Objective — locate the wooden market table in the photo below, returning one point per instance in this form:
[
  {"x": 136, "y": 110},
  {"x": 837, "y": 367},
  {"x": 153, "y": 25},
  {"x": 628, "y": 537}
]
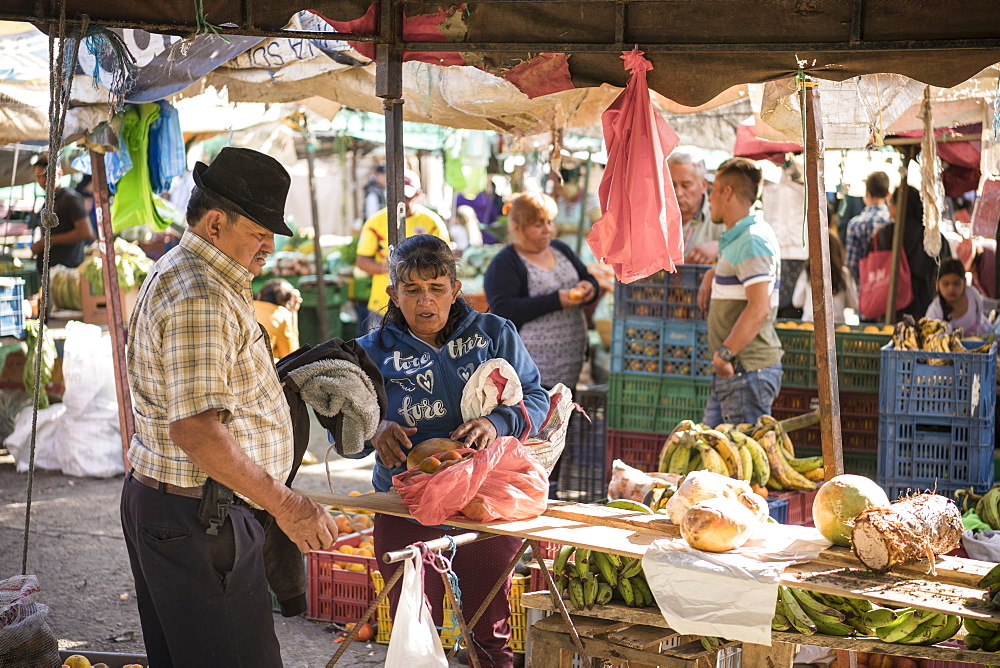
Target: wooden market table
[{"x": 953, "y": 589}]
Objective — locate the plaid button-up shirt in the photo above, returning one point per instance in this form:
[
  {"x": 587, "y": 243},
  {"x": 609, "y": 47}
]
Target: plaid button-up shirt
[
  {"x": 859, "y": 235},
  {"x": 195, "y": 345}
]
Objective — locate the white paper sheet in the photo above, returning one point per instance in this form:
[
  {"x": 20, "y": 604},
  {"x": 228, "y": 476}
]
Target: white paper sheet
[{"x": 730, "y": 595}]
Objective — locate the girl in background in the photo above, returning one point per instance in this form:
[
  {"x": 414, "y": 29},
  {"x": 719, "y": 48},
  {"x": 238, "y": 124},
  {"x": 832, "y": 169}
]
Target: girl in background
[
  {"x": 845, "y": 291},
  {"x": 958, "y": 304}
]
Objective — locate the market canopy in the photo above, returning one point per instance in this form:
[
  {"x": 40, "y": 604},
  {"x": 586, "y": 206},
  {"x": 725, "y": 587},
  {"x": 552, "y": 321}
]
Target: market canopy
[{"x": 699, "y": 48}]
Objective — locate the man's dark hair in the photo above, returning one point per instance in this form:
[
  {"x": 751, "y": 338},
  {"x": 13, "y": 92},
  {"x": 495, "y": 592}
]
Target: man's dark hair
[
  {"x": 877, "y": 185},
  {"x": 743, "y": 176},
  {"x": 40, "y": 160},
  {"x": 202, "y": 201},
  {"x": 276, "y": 291}
]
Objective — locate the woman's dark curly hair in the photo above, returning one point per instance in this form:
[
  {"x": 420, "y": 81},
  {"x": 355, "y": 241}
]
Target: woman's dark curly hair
[{"x": 429, "y": 257}]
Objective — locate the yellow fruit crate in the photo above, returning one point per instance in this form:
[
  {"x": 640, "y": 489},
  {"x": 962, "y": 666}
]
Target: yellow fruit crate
[{"x": 451, "y": 632}]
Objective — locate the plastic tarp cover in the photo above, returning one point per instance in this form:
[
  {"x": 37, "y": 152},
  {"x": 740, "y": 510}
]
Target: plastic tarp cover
[{"x": 640, "y": 231}]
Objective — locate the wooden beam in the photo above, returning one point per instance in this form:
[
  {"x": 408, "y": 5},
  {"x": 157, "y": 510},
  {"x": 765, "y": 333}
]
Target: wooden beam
[
  {"x": 822, "y": 298},
  {"x": 112, "y": 295},
  {"x": 897, "y": 234}
]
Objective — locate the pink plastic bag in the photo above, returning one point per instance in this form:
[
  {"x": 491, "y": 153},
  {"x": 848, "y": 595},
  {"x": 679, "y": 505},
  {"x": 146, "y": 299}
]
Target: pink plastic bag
[
  {"x": 640, "y": 232},
  {"x": 507, "y": 480}
]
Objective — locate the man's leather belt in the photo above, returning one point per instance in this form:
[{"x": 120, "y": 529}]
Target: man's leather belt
[{"x": 167, "y": 488}]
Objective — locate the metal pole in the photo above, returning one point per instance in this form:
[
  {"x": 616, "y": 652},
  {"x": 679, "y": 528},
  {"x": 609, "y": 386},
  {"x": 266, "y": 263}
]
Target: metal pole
[
  {"x": 897, "y": 233},
  {"x": 435, "y": 545},
  {"x": 389, "y": 87},
  {"x": 112, "y": 296},
  {"x": 310, "y": 145},
  {"x": 584, "y": 217},
  {"x": 819, "y": 270}
]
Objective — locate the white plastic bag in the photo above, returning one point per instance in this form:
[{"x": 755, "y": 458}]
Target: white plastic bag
[
  {"x": 46, "y": 438},
  {"x": 984, "y": 546},
  {"x": 414, "y": 642}
]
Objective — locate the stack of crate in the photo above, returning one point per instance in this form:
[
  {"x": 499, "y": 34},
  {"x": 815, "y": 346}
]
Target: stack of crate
[
  {"x": 936, "y": 420},
  {"x": 661, "y": 365},
  {"x": 858, "y": 366},
  {"x": 581, "y": 469}
]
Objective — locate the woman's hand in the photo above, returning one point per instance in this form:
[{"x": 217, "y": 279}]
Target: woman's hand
[
  {"x": 389, "y": 440},
  {"x": 295, "y": 302},
  {"x": 578, "y": 294},
  {"x": 477, "y": 433}
]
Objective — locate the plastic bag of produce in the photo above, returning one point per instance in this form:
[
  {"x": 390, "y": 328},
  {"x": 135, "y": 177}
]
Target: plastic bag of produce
[
  {"x": 503, "y": 481},
  {"x": 26, "y": 640},
  {"x": 415, "y": 642},
  {"x": 630, "y": 483}
]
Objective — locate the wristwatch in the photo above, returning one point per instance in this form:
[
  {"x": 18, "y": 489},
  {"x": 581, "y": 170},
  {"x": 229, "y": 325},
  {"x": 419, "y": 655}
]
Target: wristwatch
[{"x": 725, "y": 353}]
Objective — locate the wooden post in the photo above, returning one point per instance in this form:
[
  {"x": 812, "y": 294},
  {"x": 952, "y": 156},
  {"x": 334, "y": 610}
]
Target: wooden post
[
  {"x": 819, "y": 270},
  {"x": 112, "y": 296},
  {"x": 389, "y": 87},
  {"x": 909, "y": 152}
]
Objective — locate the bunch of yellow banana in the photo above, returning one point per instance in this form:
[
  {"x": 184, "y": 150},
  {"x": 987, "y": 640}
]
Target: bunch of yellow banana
[
  {"x": 787, "y": 472},
  {"x": 761, "y": 454},
  {"x": 595, "y": 578},
  {"x": 912, "y": 626},
  {"x": 988, "y": 507},
  {"x": 932, "y": 335},
  {"x": 809, "y": 612}
]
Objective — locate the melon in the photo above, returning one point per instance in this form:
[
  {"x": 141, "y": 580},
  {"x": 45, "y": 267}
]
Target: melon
[{"x": 840, "y": 500}]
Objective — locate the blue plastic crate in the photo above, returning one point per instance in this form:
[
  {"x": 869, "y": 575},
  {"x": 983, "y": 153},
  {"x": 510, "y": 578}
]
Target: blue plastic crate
[
  {"x": 778, "y": 510},
  {"x": 675, "y": 348},
  {"x": 928, "y": 453},
  {"x": 662, "y": 295},
  {"x": 11, "y": 307},
  {"x": 924, "y": 383}
]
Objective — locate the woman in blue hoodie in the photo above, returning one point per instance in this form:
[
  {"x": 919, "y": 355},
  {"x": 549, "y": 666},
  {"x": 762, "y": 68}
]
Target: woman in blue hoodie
[{"x": 429, "y": 344}]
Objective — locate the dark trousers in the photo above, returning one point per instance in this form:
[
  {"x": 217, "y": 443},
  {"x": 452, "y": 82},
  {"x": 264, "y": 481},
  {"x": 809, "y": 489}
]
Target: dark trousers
[
  {"x": 203, "y": 600},
  {"x": 478, "y": 566}
]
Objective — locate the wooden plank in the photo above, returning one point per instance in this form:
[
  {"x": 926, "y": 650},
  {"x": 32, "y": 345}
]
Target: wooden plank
[
  {"x": 778, "y": 655},
  {"x": 652, "y": 617},
  {"x": 596, "y": 515},
  {"x": 585, "y": 626},
  {"x": 875, "y": 646},
  {"x": 641, "y": 636},
  {"x": 603, "y": 649},
  {"x": 951, "y": 570}
]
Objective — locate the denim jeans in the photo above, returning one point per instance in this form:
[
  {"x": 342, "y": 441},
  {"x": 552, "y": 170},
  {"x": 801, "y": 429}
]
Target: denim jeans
[{"x": 743, "y": 397}]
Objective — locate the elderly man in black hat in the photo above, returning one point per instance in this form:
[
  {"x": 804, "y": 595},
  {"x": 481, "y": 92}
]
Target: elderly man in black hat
[{"x": 213, "y": 436}]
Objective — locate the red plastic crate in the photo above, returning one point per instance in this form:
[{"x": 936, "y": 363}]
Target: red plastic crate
[
  {"x": 858, "y": 417},
  {"x": 635, "y": 448},
  {"x": 800, "y": 506},
  {"x": 336, "y": 595}
]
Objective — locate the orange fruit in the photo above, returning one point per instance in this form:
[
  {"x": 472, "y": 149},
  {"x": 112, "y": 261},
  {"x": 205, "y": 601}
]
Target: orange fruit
[
  {"x": 366, "y": 632},
  {"x": 871, "y": 329},
  {"x": 346, "y": 549},
  {"x": 356, "y": 568},
  {"x": 354, "y": 493},
  {"x": 843, "y": 328},
  {"x": 344, "y": 524}
]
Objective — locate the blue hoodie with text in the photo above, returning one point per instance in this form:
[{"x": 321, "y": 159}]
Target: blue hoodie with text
[{"x": 424, "y": 386}]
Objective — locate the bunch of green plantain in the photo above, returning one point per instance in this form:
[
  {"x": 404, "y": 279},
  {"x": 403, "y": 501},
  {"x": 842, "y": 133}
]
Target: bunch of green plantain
[
  {"x": 988, "y": 507},
  {"x": 991, "y": 583},
  {"x": 761, "y": 454},
  {"x": 809, "y": 612},
  {"x": 912, "y": 626},
  {"x": 595, "y": 578}
]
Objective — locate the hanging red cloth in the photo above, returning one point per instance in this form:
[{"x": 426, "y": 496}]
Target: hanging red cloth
[{"x": 640, "y": 232}]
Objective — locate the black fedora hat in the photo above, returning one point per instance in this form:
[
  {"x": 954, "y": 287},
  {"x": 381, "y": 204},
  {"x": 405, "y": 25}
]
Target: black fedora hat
[{"x": 253, "y": 184}]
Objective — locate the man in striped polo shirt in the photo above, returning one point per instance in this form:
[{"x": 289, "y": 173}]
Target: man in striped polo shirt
[{"x": 741, "y": 294}]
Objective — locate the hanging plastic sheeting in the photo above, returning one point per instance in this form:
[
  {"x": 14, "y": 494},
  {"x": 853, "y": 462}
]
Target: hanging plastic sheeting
[
  {"x": 856, "y": 112},
  {"x": 931, "y": 187},
  {"x": 640, "y": 231}
]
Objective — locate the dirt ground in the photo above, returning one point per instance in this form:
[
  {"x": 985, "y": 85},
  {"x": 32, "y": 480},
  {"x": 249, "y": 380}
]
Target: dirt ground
[{"x": 76, "y": 549}]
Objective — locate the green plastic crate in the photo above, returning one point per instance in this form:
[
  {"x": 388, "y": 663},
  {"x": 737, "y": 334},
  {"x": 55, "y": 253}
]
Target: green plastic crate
[
  {"x": 334, "y": 290},
  {"x": 859, "y": 357},
  {"x": 30, "y": 276},
  {"x": 858, "y": 463},
  {"x": 798, "y": 364},
  {"x": 654, "y": 404}
]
